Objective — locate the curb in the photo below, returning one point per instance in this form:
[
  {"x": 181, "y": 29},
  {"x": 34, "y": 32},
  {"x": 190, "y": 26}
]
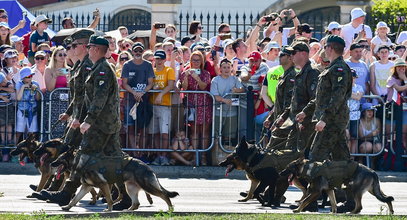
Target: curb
[{"x": 174, "y": 172}]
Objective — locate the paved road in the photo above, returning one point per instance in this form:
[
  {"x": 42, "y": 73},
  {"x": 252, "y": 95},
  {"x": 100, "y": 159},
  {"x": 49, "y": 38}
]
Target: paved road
[{"x": 196, "y": 195}]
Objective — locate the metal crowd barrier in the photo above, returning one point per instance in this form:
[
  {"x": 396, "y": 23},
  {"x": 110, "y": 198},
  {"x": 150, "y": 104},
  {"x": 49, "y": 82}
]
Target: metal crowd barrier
[
  {"x": 14, "y": 104},
  {"x": 58, "y": 103}
]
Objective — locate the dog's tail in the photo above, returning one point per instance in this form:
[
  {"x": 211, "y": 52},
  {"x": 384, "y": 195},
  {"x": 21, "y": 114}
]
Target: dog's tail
[
  {"x": 170, "y": 194},
  {"x": 377, "y": 192}
]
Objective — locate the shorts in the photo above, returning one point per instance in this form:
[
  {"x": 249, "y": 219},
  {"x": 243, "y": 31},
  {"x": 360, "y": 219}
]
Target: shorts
[
  {"x": 160, "y": 123},
  {"x": 22, "y": 123},
  {"x": 228, "y": 127},
  {"x": 353, "y": 128},
  {"x": 144, "y": 113}
]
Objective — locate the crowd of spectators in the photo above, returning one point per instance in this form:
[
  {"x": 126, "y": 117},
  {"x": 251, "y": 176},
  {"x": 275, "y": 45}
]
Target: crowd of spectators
[{"x": 220, "y": 65}]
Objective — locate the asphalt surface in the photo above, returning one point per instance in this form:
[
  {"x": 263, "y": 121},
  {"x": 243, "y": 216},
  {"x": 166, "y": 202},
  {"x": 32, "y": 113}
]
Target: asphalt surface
[{"x": 201, "y": 189}]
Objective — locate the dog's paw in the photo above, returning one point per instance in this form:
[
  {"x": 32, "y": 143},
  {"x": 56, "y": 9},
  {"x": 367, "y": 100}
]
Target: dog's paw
[
  {"x": 107, "y": 210},
  {"x": 243, "y": 200},
  {"x": 296, "y": 211},
  {"x": 134, "y": 207}
]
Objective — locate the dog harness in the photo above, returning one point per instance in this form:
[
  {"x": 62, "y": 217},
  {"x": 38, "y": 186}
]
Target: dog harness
[
  {"x": 279, "y": 159},
  {"x": 336, "y": 172}
]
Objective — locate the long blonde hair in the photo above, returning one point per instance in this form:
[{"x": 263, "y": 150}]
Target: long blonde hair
[{"x": 52, "y": 62}]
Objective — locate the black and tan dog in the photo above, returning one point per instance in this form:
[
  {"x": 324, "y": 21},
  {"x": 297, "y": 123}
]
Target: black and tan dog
[
  {"x": 26, "y": 148},
  {"x": 262, "y": 170},
  {"x": 330, "y": 174},
  {"x": 135, "y": 174}
]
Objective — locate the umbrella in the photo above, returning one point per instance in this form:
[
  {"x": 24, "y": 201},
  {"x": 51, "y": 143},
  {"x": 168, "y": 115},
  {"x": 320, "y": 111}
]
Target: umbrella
[{"x": 62, "y": 34}]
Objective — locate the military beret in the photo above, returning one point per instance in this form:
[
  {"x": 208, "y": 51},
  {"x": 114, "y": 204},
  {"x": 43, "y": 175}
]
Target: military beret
[
  {"x": 300, "y": 46},
  {"x": 98, "y": 40},
  {"x": 82, "y": 34},
  {"x": 335, "y": 39}
]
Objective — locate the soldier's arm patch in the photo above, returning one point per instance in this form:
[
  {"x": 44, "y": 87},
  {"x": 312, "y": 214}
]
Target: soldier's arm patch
[
  {"x": 340, "y": 69},
  {"x": 88, "y": 68},
  {"x": 101, "y": 73},
  {"x": 101, "y": 82},
  {"x": 339, "y": 78}
]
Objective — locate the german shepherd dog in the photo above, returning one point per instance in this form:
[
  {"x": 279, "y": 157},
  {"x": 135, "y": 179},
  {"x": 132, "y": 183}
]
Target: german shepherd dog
[
  {"x": 247, "y": 157},
  {"x": 362, "y": 179},
  {"x": 136, "y": 175},
  {"x": 25, "y": 149}
]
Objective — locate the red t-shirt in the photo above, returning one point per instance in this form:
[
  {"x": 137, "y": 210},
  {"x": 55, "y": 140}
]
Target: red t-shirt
[
  {"x": 115, "y": 56},
  {"x": 210, "y": 68},
  {"x": 26, "y": 42}
]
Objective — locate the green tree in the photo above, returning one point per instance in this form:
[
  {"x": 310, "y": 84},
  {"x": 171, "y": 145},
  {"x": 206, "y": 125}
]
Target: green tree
[{"x": 390, "y": 11}]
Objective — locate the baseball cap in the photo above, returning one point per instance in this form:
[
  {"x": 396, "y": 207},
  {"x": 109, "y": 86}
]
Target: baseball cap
[
  {"x": 41, "y": 18},
  {"x": 271, "y": 45},
  {"x": 4, "y": 24},
  {"x": 40, "y": 53},
  {"x": 300, "y": 46},
  {"x": 185, "y": 39},
  {"x": 2, "y": 77},
  {"x": 227, "y": 42},
  {"x": 357, "y": 13},
  {"x": 196, "y": 44},
  {"x": 16, "y": 38},
  {"x": 10, "y": 54},
  {"x": 333, "y": 25},
  {"x": 4, "y": 47},
  {"x": 355, "y": 46},
  {"x": 170, "y": 39},
  {"x": 402, "y": 37},
  {"x": 287, "y": 50},
  {"x": 137, "y": 45},
  {"x": 255, "y": 55},
  {"x": 26, "y": 72},
  {"x": 305, "y": 27},
  {"x": 160, "y": 54}
]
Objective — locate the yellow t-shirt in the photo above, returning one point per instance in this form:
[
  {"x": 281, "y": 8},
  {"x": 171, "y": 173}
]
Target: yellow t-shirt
[{"x": 161, "y": 81}]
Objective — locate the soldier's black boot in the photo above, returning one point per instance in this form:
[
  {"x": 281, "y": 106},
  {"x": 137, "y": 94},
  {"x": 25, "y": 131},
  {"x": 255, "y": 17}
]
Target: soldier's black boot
[
  {"x": 64, "y": 196},
  {"x": 346, "y": 207},
  {"x": 312, "y": 207},
  {"x": 125, "y": 203},
  {"x": 33, "y": 187}
]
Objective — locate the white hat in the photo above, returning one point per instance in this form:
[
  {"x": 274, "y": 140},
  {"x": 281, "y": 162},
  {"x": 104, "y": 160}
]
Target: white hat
[
  {"x": 271, "y": 45},
  {"x": 402, "y": 37},
  {"x": 10, "y": 54},
  {"x": 16, "y": 38},
  {"x": 41, "y": 18},
  {"x": 4, "y": 24},
  {"x": 333, "y": 25},
  {"x": 227, "y": 42},
  {"x": 382, "y": 24},
  {"x": 357, "y": 13}
]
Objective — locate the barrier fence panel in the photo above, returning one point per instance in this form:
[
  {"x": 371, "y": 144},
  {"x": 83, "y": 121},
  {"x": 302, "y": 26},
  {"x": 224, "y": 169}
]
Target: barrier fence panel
[
  {"x": 58, "y": 104},
  {"x": 185, "y": 126}
]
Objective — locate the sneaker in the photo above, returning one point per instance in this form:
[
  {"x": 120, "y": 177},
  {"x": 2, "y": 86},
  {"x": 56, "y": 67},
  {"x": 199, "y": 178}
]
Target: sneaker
[
  {"x": 165, "y": 161},
  {"x": 157, "y": 161}
]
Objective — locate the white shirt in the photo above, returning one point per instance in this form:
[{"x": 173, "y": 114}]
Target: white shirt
[
  {"x": 348, "y": 33},
  {"x": 272, "y": 63},
  {"x": 39, "y": 77},
  {"x": 382, "y": 73},
  {"x": 286, "y": 32},
  {"x": 378, "y": 42}
]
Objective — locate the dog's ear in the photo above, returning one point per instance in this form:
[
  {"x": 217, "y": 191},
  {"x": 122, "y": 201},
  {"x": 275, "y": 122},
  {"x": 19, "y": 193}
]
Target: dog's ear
[
  {"x": 31, "y": 137},
  {"x": 243, "y": 142}
]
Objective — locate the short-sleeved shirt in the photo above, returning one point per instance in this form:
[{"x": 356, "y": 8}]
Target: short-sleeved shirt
[
  {"x": 362, "y": 71},
  {"x": 161, "y": 81},
  {"x": 240, "y": 63},
  {"x": 254, "y": 79},
  {"x": 28, "y": 100},
  {"x": 285, "y": 33},
  {"x": 37, "y": 39},
  {"x": 353, "y": 104},
  {"x": 390, "y": 87},
  {"x": 379, "y": 42},
  {"x": 221, "y": 86},
  {"x": 382, "y": 73},
  {"x": 348, "y": 32},
  {"x": 137, "y": 76}
]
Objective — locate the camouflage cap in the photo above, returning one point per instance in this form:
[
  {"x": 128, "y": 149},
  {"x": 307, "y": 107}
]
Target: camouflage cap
[
  {"x": 82, "y": 34},
  {"x": 300, "y": 46},
  {"x": 98, "y": 40},
  {"x": 336, "y": 39},
  {"x": 287, "y": 50}
]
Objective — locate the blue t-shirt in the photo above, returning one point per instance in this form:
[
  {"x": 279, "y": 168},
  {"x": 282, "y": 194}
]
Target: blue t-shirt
[
  {"x": 137, "y": 75},
  {"x": 363, "y": 73},
  {"x": 37, "y": 39},
  {"x": 28, "y": 100}
]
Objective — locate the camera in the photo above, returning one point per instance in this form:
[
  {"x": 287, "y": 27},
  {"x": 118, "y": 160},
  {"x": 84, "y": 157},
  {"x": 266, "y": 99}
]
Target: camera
[
  {"x": 269, "y": 18},
  {"x": 159, "y": 25},
  {"x": 218, "y": 49},
  {"x": 175, "y": 49},
  {"x": 287, "y": 13}
]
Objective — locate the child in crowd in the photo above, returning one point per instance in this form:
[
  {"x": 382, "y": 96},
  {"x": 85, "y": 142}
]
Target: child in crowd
[
  {"x": 39, "y": 36},
  {"x": 354, "y": 113},
  {"x": 7, "y": 115},
  {"x": 27, "y": 97},
  {"x": 180, "y": 143}
]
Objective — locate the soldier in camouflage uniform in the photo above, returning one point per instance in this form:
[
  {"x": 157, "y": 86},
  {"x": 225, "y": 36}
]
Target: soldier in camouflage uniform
[
  {"x": 284, "y": 93},
  {"x": 329, "y": 109},
  {"x": 101, "y": 123},
  {"x": 304, "y": 91},
  {"x": 76, "y": 110}
]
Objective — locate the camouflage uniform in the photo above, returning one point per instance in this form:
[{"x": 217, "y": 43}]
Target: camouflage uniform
[
  {"x": 304, "y": 91},
  {"x": 284, "y": 92},
  {"x": 330, "y": 105},
  {"x": 102, "y": 104}
]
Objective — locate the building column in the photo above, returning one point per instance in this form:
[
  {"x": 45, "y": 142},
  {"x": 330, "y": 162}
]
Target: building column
[
  {"x": 164, "y": 11},
  {"x": 347, "y": 6}
]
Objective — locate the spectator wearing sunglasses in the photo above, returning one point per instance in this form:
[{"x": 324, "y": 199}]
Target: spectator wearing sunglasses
[
  {"x": 68, "y": 22},
  {"x": 361, "y": 69},
  {"x": 4, "y": 18},
  {"x": 223, "y": 34},
  {"x": 46, "y": 48},
  {"x": 40, "y": 63},
  {"x": 381, "y": 36},
  {"x": 10, "y": 66},
  {"x": 275, "y": 31},
  {"x": 111, "y": 55},
  {"x": 56, "y": 73},
  {"x": 195, "y": 29},
  {"x": 304, "y": 30},
  {"x": 334, "y": 28},
  {"x": 356, "y": 28}
]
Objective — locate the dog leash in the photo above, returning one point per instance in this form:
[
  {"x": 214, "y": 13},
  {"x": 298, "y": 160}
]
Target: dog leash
[{"x": 54, "y": 126}]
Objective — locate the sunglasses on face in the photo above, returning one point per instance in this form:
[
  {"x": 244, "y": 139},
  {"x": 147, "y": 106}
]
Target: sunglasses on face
[
  {"x": 125, "y": 46},
  {"x": 4, "y": 16},
  {"x": 200, "y": 28},
  {"x": 29, "y": 77},
  {"x": 392, "y": 58},
  {"x": 124, "y": 58},
  {"x": 336, "y": 29},
  {"x": 62, "y": 55},
  {"x": 138, "y": 51},
  {"x": 40, "y": 58},
  {"x": 68, "y": 47},
  {"x": 48, "y": 51}
]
